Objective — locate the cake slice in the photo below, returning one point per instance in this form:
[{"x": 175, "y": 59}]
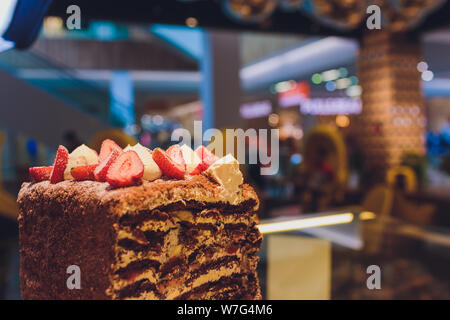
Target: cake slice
[{"x": 190, "y": 238}]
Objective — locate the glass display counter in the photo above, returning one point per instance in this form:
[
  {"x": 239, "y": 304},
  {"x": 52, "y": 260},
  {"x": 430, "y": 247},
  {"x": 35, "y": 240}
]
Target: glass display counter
[{"x": 353, "y": 255}]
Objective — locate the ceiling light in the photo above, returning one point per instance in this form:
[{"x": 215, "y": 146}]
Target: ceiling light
[
  {"x": 422, "y": 66},
  {"x": 343, "y": 83},
  {"x": 330, "y": 75},
  {"x": 274, "y": 119},
  {"x": 354, "y": 91},
  {"x": 330, "y": 86},
  {"x": 284, "y": 86},
  {"x": 427, "y": 75},
  {"x": 343, "y": 72},
  {"x": 191, "y": 22},
  {"x": 354, "y": 80},
  {"x": 367, "y": 215},
  {"x": 342, "y": 121},
  {"x": 316, "y": 78}
]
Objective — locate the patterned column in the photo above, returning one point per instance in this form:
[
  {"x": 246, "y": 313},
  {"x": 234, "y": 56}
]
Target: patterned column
[{"x": 393, "y": 119}]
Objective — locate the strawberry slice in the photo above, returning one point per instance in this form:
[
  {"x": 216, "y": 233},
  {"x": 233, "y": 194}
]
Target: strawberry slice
[
  {"x": 39, "y": 174},
  {"x": 207, "y": 157},
  {"x": 168, "y": 166},
  {"x": 102, "y": 169},
  {"x": 61, "y": 159},
  {"x": 176, "y": 154},
  {"x": 198, "y": 169},
  {"x": 83, "y": 172},
  {"x": 126, "y": 170},
  {"x": 107, "y": 147}
]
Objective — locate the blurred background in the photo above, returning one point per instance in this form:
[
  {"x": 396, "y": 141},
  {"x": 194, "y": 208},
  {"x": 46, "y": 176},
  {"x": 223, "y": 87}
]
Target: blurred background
[{"x": 363, "y": 114}]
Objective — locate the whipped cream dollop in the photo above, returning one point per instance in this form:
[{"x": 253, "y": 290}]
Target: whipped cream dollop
[
  {"x": 81, "y": 156},
  {"x": 226, "y": 172},
  {"x": 151, "y": 169}
]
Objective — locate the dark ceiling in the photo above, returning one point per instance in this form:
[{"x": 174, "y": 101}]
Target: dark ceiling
[{"x": 210, "y": 13}]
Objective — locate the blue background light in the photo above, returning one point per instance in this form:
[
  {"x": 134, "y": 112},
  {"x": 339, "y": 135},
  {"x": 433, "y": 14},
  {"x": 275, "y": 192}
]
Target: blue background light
[
  {"x": 189, "y": 40},
  {"x": 330, "y": 86},
  {"x": 296, "y": 158}
]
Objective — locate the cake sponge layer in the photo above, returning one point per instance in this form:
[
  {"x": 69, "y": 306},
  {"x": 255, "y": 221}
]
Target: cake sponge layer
[
  {"x": 147, "y": 196},
  {"x": 164, "y": 239}
]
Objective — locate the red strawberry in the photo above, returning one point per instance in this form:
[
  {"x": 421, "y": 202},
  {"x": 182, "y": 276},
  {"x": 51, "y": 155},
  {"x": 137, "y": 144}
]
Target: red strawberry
[
  {"x": 83, "y": 172},
  {"x": 175, "y": 153},
  {"x": 198, "y": 169},
  {"x": 40, "y": 173},
  {"x": 207, "y": 157},
  {"x": 102, "y": 169},
  {"x": 167, "y": 165},
  {"x": 107, "y": 147},
  {"x": 61, "y": 159},
  {"x": 126, "y": 170}
]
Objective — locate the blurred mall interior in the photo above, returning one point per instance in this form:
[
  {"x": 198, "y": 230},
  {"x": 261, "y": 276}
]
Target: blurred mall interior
[{"x": 363, "y": 118}]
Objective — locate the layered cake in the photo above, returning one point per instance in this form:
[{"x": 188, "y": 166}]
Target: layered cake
[{"x": 138, "y": 224}]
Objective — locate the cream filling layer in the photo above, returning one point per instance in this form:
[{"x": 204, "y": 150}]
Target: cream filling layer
[
  {"x": 211, "y": 275},
  {"x": 150, "y": 295},
  {"x": 153, "y": 277},
  {"x": 171, "y": 247},
  {"x": 152, "y": 225},
  {"x": 188, "y": 216},
  {"x": 119, "y": 283},
  {"x": 126, "y": 256}
]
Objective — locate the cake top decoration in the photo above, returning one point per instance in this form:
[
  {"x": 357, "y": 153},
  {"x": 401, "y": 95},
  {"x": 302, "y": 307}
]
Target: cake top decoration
[{"x": 133, "y": 164}]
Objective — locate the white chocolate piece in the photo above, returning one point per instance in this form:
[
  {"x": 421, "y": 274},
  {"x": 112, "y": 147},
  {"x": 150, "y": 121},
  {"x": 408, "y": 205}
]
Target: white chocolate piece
[{"x": 225, "y": 172}]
